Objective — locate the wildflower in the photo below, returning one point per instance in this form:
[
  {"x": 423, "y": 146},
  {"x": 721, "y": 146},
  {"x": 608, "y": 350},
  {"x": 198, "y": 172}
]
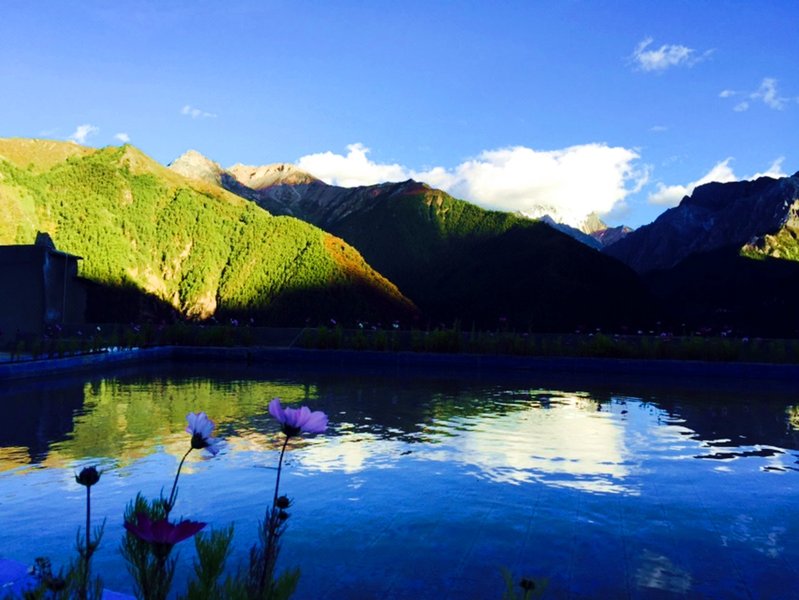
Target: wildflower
[
  {"x": 200, "y": 428},
  {"x": 263, "y": 558},
  {"x": 298, "y": 420},
  {"x": 88, "y": 476},
  {"x": 162, "y": 532}
]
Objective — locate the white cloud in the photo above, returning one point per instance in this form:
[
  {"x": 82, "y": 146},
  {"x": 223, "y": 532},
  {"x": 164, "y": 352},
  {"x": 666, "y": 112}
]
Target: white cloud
[
  {"x": 122, "y": 137},
  {"x": 767, "y": 93},
  {"x": 351, "y": 170},
  {"x": 196, "y": 113},
  {"x": 774, "y": 171},
  {"x": 671, "y": 195},
  {"x": 569, "y": 184},
  {"x": 658, "y": 128},
  {"x": 665, "y": 57},
  {"x": 83, "y": 132}
]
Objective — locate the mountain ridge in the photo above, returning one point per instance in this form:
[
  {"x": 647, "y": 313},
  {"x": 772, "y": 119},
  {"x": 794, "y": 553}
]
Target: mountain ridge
[
  {"x": 426, "y": 242},
  {"x": 714, "y": 216}
]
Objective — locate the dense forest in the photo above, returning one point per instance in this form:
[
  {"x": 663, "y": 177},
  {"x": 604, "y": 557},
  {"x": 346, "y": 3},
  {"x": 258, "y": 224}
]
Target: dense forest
[
  {"x": 458, "y": 261},
  {"x": 199, "y": 249}
]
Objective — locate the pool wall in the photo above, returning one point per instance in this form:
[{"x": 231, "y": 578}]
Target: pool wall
[{"x": 471, "y": 362}]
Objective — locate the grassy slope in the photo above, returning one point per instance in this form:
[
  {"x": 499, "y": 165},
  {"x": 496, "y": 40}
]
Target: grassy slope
[{"x": 200, "y": 248}]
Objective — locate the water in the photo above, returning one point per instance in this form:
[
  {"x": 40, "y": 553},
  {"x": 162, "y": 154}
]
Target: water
[{"x": 426, "y": 485}]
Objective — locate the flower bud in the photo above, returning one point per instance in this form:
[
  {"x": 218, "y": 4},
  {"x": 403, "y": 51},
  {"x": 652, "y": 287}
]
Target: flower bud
[
  {"x": 527, "y": 584},
  {"x": 283, "y": 502},
  {"x": 88, "y": 476}
]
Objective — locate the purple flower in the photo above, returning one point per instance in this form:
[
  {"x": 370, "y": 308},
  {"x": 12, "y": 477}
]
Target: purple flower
[
  {"x": 162, "y": 532},
  {"x": 200, "y": 428},
  {"x": 298, "y": 420}
]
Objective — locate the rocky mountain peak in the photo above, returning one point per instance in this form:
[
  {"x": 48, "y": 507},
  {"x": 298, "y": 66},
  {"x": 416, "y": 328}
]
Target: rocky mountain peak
[
  {"x": 592, "y": 224},
  {"x": 258, "y": 178},
  {"x": 194, "y": 165},
  {"x": 715, "y": 216}
]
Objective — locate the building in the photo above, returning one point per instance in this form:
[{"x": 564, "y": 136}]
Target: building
[{"x": 40, "y": 290}]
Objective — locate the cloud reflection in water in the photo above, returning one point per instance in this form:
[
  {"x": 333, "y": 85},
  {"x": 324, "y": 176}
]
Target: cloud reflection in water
[{"x": 564, "y": 442}]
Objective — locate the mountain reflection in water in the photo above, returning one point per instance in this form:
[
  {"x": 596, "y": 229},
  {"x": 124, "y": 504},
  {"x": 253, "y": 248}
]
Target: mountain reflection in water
[{"x": 536, "y": 460}]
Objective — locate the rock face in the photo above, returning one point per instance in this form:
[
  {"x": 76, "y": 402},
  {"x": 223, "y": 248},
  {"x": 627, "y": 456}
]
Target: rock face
[
  {"x": 581, "y": 236},
  {"x": 611, "y": 235},
  {"x": 258, "y": 178},
  {"x": 319, "y": 203},
  {"x": 717, "y": 215},
  {"x": 593, "y": 232},
  {"x": 194, "y": 165}
]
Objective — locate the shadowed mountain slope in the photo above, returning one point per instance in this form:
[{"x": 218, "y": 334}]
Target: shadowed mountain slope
[
  {"x": 458, "y": 261},
  {"x": 716, "y": 215},
  {"x": 726, "y": 257}
]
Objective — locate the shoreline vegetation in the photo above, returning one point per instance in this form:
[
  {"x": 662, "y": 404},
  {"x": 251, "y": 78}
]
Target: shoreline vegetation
[
  {"x": 702, "y": 346},
  {"x": 641, "y": 353}
]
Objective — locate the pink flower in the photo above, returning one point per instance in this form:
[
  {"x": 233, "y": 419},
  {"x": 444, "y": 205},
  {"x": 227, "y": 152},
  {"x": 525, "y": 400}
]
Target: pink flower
[
  {"x": 200, "y": 428},
  {"x": 298, "y": 420},
  {"x": 162, "y": 532}
]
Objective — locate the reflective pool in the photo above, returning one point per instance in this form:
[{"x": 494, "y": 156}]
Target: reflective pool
[{"x": 428, "y": 484}]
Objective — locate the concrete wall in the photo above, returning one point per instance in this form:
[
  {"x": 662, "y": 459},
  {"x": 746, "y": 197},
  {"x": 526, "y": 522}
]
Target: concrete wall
[
  {"x": 38, "y": 288},
  {"x": 21, "y": 291},
  {"x": 64, "y": 295}
]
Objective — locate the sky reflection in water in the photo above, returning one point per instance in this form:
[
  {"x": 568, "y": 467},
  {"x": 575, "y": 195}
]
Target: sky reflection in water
[{"x": 428, "y": 485}]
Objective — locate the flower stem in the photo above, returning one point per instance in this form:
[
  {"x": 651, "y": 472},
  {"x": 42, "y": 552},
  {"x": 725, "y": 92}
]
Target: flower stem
[
  {"x": 88, "y": 521},
  {"x": 87, "y": 551},
  {"x": 279, "y": 469},
  {"x": 170, "y": 503},
  {"x": 270, "y": 552}
]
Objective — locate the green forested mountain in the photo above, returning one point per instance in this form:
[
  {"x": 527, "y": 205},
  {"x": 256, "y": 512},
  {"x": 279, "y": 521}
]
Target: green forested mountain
[
  {"x": 454, "y": 259},
  {"x": 191, "y": 244}
]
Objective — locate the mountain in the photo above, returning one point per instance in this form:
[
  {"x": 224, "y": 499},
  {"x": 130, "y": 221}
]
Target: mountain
[
  {"x": 187, "y": 242},
  {"x": 258, "y": 178},
  {"x": 601, "y": 232},
  {"x": 592, "y": 231},
  {"x": 724, "y": 290},
  {"x": 456, "y": 260},
  {"x": 587, "y": 239},
  {"x": 727, "y": 257},
  {"x": 715, "y": 216},
  {"x": 610, "y": 235}
]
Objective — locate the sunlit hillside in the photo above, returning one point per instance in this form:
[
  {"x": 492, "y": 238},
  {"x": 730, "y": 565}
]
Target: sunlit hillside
[{"x": 192, "y": 245}]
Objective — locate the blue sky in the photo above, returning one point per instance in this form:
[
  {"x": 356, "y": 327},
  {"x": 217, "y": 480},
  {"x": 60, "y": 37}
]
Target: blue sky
[{"x": 619, "y": 107}]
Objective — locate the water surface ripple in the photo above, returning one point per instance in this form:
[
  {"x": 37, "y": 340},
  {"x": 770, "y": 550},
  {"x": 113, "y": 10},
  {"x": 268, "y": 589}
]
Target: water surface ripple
[{"x": 428, "y": 485}]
